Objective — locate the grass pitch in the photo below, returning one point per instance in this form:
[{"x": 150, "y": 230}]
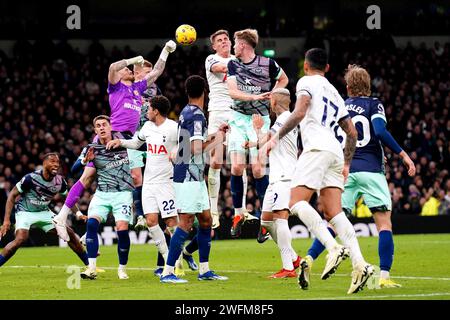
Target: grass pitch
[{"x": 421, "y": 266}]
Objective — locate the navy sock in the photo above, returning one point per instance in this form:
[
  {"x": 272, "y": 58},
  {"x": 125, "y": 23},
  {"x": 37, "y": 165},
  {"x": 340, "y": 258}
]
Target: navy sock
[
  {"x": 123, "y": 246},
  {"x": 386, "y": 250},
  {"x": 317, "y": 247},
  {"x": 261, "y": 185},
  {"x": 176, "y": 246},
  {"x": 204, "y": 243},
  {"x": 137, "y": 200},
  {"x": 161, "y": 261},
  {"x": 92, "y": 238},
  {"x": 2, "y": 260},
  {"x": 84, "y": 257},
  {"x": 193, "y": 245},
  {"x": 237, "y": 191}
]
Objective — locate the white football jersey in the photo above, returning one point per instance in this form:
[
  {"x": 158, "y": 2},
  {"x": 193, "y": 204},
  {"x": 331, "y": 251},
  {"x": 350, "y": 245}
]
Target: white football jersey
[
  {"x": 219, "y": 98},
  {"x": 327, "y": 108},
  {"x": 283, "y": 157},
  {"x": 160, "y": 141}
]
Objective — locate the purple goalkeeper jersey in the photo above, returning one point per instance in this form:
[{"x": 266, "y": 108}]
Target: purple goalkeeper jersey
[{"x": 126, "y": 102}]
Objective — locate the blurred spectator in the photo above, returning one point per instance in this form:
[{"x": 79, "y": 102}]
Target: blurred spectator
[{"x": 47, "y": 104}]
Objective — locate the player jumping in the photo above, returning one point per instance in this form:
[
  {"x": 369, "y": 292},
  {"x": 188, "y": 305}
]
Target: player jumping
[
  {"x": 125, "y": 100},
  {"x": 250, "y": 79}
]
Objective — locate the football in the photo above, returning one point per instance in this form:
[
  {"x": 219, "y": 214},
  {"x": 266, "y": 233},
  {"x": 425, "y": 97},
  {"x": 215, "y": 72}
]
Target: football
[{"x": 185, "y": 35}]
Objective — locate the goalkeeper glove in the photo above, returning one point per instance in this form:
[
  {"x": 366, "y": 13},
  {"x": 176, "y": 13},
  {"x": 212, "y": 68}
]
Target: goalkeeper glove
[
  {"x": 168, "y": 48},
  {"x": 135, "y": 60}
]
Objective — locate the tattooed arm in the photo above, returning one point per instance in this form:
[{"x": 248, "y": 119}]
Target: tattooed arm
[
  {"x": 158, "y": 69},
  {"x": 350, "y": 143},
  {"x": 161, "y": 63},
  {"x": 114, "y": 75}
]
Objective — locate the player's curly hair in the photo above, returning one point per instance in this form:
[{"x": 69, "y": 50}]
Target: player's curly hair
[
  {"x": 248, "y": 35},
  {"x": 358, "y": 81}
]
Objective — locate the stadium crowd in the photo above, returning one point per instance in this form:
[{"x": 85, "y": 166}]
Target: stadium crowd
[{"x": 49, "y": 94}]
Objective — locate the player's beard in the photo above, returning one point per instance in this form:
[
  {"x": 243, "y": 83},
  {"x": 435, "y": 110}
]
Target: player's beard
[{"x": 129, "y": 78}]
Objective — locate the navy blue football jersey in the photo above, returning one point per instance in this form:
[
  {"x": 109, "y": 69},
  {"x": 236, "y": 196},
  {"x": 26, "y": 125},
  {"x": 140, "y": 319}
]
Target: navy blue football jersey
[
  {"x": 369, "y": 155},
  {"x": 191, "y": 126}
]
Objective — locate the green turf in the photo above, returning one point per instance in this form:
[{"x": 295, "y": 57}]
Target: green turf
[{"x": 421, "y": 266}]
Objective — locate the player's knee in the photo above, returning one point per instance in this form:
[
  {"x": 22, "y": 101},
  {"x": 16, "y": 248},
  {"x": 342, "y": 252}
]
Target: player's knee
[
  {"x": 205, "y": 222},
  {"x": 237, "y": 169},
  {"x": 151, "y": 219},
  {"x": 257, "y": 171},
  {"x": 20, "y": 240},
  {"x": 136, "y": 175}
]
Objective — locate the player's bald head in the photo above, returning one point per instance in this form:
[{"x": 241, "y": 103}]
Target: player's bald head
[{"x": 281, "y": 97}]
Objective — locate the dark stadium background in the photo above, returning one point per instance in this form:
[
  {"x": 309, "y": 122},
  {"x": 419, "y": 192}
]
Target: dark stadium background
[{"x": 50, "y": 89}]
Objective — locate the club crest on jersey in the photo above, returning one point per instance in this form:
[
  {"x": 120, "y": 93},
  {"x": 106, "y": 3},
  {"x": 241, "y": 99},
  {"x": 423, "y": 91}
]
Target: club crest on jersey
[
  {"x": 164, "y": 138},
  {"x": 258, "y": 70},
  {"x": 156, "y": 149}
]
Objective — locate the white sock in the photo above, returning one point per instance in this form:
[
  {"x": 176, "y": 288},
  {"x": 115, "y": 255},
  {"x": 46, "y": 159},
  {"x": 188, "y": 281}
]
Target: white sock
[
  {"x": 122, "y": 266},
  {"x": 314, "y": 223},
  {"x": 238, "y": 212},
  {"x": 63, "y": 213},
  {"x": 168, "y": 270},
  {"x": 92, "y": 263},
  {"x": 384, "y": 274},
  {"x": 157, "y": 235},
  {"x": 245, "y": 183},
  {"x": 284, "y": 243},
  {"x": 346, "y": 232},
  {"x": 272, "y": 228},
  {"x": 203, "y": 267},
  {"x": 213, "y": 188}
]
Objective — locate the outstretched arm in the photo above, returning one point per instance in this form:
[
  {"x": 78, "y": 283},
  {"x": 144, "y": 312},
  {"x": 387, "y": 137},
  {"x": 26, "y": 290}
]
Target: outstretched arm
[
  {"x": 134, "y": 143},
  {"x": 237, "y": 94},
  {"x": 114, "y": 68},
  {"x": 158, "y": 69}
]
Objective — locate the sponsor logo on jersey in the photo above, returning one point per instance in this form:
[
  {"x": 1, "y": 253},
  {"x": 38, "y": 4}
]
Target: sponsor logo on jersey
[
  {"x": 156, "y": 149},
  {"x": 115, "y": 164},
  {"x": 128, "y": 105}
]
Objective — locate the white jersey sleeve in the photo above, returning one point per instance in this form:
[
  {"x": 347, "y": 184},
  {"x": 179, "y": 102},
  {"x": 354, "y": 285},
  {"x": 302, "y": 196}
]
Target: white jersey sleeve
[
  {"x": 326, "y": 109},
  {"x": 219, "y": 98},
  {"x": 283, "y": 157}
]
